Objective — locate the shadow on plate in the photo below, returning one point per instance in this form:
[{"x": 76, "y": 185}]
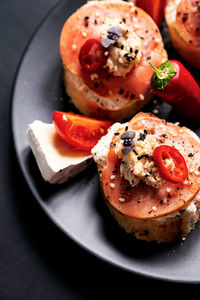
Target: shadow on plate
[{"x": 46, "y": 190}]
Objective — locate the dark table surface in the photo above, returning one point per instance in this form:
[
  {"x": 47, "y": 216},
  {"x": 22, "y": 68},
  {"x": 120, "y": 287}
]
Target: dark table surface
[{"x": 37, "y": 261}]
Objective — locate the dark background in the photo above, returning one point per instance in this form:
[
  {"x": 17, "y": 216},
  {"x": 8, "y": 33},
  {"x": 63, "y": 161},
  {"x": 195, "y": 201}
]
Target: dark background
[{"x": 37, "y": 261}]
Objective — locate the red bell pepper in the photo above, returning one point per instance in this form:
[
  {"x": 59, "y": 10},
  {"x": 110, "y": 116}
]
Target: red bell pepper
[
  {"x": 174, "y": 84},
  {"x": 155, "y": 8},
  {"x": 177, "y": 174}
]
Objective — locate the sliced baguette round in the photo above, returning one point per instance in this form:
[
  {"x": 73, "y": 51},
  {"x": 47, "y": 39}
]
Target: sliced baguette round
[
  {"x": 106, "y": 101},
  {"x": 162, "y": 230},
  {"x": 91, "y": 104}
]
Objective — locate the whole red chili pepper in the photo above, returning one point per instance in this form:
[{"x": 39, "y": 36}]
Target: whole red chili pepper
[
  {"x": 155, "y": 8},
  {"x": 174, "y": 84}
]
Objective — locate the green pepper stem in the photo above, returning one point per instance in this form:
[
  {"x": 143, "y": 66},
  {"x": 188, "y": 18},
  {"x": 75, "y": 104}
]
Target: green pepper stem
[{"x": 161, "y": 74}]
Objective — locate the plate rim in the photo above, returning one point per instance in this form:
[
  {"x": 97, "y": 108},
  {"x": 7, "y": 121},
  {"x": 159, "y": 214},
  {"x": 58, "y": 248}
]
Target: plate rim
[{"x": 32, "y": 189}]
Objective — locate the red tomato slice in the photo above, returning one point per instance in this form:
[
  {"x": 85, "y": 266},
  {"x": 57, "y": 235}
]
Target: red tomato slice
[
  {"x": 91, "y": 55},
  {"x": 79, "y": 131},
  {"x": 154, "y": 8},
  {"x": 179, "y": 173}
]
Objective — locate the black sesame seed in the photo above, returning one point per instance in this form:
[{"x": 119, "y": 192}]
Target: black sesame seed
[
  {"x": 131, "y": 50},
  {"x": 142, "y": 137},
  {"x": 184, "y": 19},
  {"x": 128, "y": 188},
  {"x": 132, "y": 95},
  {"x": 126, "y": 128},
  {"x": 96, "y": 85},
  {"x": 86, "y": 18},
  {"x": 116, "y": 133},
  {"x": 136, "y": 51},
  {"x": 124, "y": 20},
  {"x": 115, "y": 171},
  {"x": 122, "y": 47},
  {"x": 142, "y": 156},
  {"x": 149, "y": 57},
  {"x": 190, "y": 154},
  {"x": 121, "y": 91},
  {"x": 95, "y": 22}
]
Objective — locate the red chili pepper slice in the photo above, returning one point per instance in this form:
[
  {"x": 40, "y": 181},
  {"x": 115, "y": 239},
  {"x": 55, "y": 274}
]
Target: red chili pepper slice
[
  {"x": 79, "y": 131},
  {"x": 179, "y": 172},
  {"x": 91, "y": 55}
]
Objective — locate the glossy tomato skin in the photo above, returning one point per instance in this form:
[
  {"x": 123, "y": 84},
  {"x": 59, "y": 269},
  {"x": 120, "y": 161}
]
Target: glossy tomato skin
[
  {"x": 79, "y": 131},
  {"x": 91, "y": 55},
  {"x": 180, "y": 172},
  {"x": 182, "y": 92},
  {"x": 155, "y": 8}
]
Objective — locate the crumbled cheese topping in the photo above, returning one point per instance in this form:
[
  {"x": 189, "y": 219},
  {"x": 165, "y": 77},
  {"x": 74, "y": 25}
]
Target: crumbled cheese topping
[
  {"x": 125, "y": 53},
  {"x": 138, "y": 165}
]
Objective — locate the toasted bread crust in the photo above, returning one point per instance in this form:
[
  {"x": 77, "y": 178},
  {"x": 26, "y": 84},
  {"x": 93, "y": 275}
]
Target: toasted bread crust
[{"x": 91, "y": 104}]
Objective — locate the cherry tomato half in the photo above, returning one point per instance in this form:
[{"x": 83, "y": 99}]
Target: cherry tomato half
[
  {"x": 177, "y": 174},
  {"x": 79, "y": 131},
  {"x": 91, "y": 55}
]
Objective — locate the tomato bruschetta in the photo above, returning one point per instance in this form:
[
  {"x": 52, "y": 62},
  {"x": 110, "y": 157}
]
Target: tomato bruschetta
[
  {"x": 150, "y": 177},
  {"x": 106, "y": 47},
  {"x": 183, "y": 20}
]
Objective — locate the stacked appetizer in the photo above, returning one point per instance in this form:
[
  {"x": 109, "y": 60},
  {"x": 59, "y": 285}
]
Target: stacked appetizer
[
  {"x": 150, "y": 177},
  {"x": 106, "y": 47}
]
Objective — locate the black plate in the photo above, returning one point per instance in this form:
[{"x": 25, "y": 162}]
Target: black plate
[{"x": 77, "y": 207}]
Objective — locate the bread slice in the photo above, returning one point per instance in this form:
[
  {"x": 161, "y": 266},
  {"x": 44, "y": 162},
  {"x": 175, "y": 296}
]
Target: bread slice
[
  {"x": 110, "y": 103},
  {"x": 162, "y": 230},
  {"x": 174, "y": 223},
  {"x": 91, "y": 104}
]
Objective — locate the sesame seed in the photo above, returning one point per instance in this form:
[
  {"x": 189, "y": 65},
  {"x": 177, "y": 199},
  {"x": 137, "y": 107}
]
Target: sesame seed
[
  {"x": 181, "y": 130},
  {"x": 106, "y": 53},
  {"x": 112, "y": 185},
  {"x": 141, "y": 97},
  {"x": 74, "y": 47},
  {"x": 185, "y": 182},
  {"x": 196, "y": 173},
  {"x": 112, "y": 177},
  {"x": 84, "y": 34},
  {"x": 121, "y": 199},
  {"x": 168, "y": 190},
  {"x": 154, "y": 208},
  {"x": 155, "y": 111},
  {"x": 165, "y": 200},
  {"x": 157, "y": 41},
  {"x": 94, "y": 76}
]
